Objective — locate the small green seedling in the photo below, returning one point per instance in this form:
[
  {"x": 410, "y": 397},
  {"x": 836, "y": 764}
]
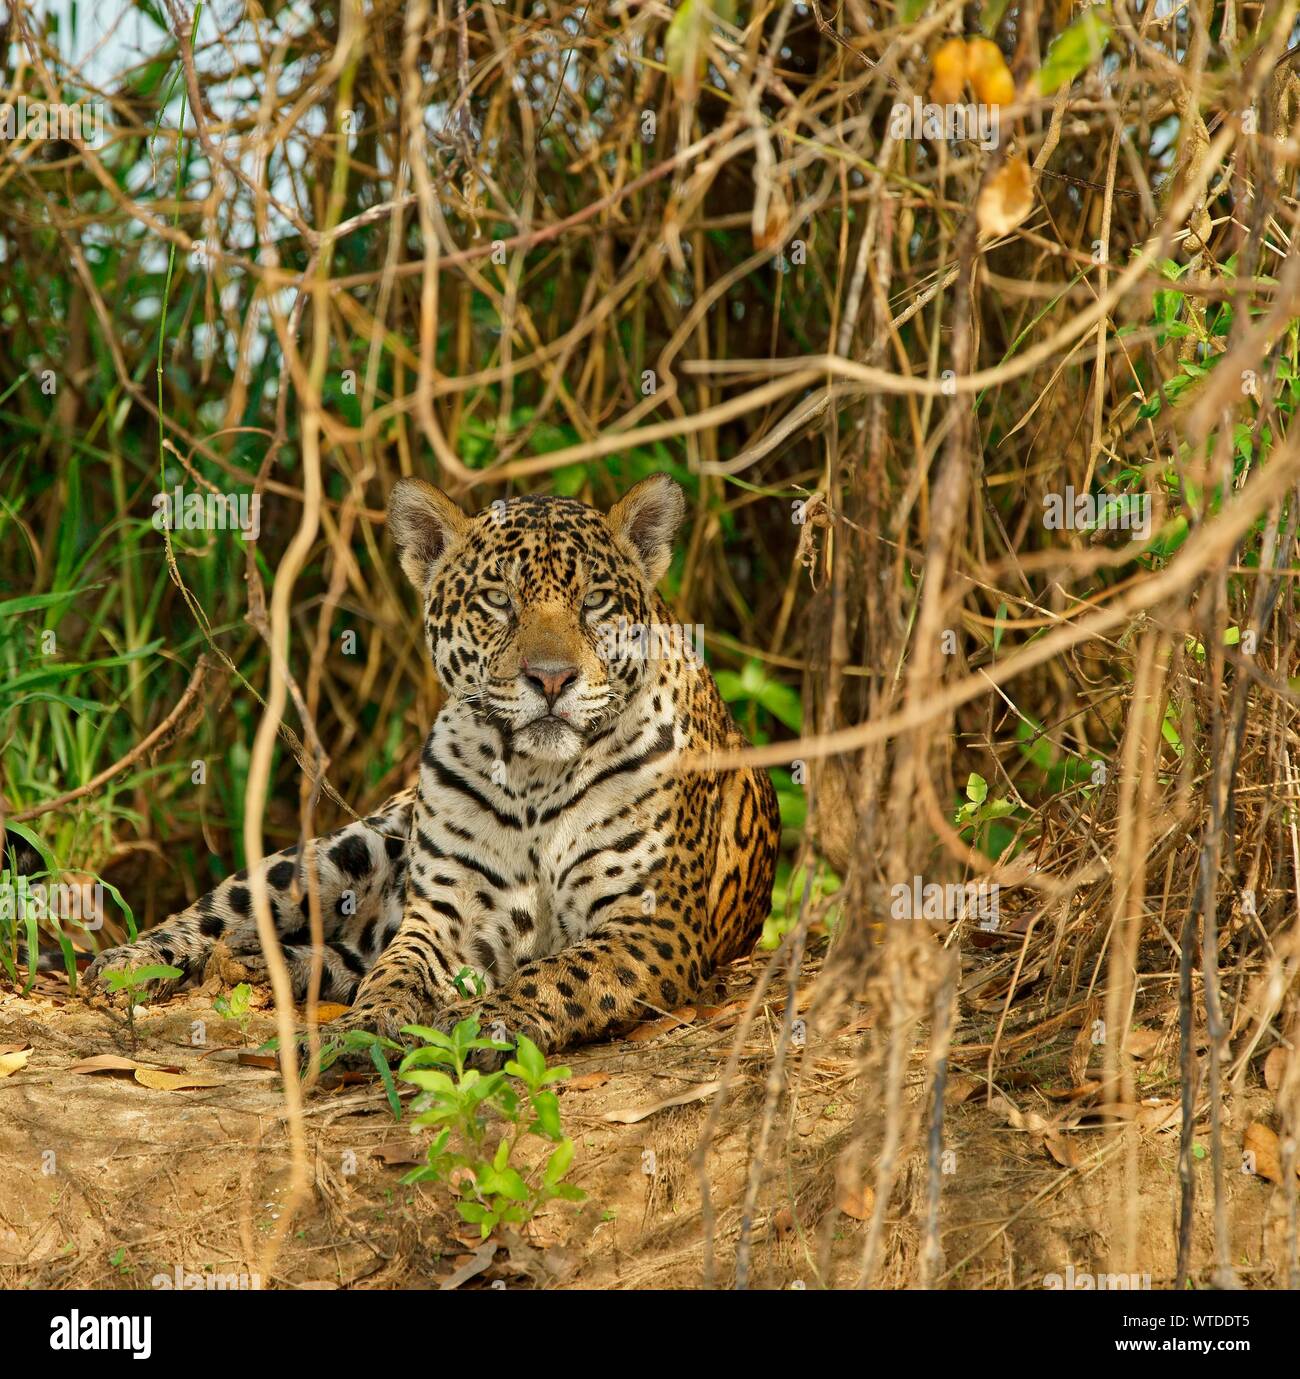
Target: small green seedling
[
  {"x": 470, "y": 1108},
  {"x": 236, "y": 1007},
  {"x": 132, "y": 980},
  {"x": 469, "y": 983}
]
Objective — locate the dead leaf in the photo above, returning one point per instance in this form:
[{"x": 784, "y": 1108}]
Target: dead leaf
[
  {"x": 652, "y": 1029},
  {"x": 948, "y": 72},
  {"x": 1159, "y": 1115},
  {"x": 1007, "y": 198},
  {"x": 961, "y": 1087},
  {"x": 1265, "y": 1151},
  {"x": 477, "y": 1262},
  {"x": 584, "y": 1082},
  {"x": 1084, "y": 1089},
  {"x": 633, "y": 1115},
  {"x": 857, "y": 1202},
  {"x": 399, "y": 1152},
  {"x": 248, "y": 1059},
  {"x": 162, "y": 1081},
  {"x": 330, "y": 1010},
  {"x": 1066, "y": 1151},
  {"x": 110, "y": 1063},
  {"x": 1275, "y": 1068},
  {"x": 1141, "y": 1043},
  {"x": 12, "y": 1061}
]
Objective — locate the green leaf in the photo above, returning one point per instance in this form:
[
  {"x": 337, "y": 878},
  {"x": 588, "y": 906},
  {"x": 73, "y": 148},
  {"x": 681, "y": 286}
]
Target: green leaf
[
  {"x": 386, "y": 1077},
  {"x": 558, "y": 1164},
  {"x": 686, "y": 53},
  {"x": 531, "y": 1059},
  {"x": 428, "y": 1079},
  {"x": 977, "y": 788},
  {"x": 138, "y": 976},
  {"x": 546, "y": 1107},
  {"x": 1072, "y": 50}
]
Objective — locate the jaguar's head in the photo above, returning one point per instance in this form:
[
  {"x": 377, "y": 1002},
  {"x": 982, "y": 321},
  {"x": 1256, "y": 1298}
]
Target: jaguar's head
[{"x": 524, "y": 603}]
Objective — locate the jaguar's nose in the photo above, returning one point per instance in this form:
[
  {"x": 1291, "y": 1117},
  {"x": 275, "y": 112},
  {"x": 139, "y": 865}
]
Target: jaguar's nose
[{"x": 550, "y": 678}]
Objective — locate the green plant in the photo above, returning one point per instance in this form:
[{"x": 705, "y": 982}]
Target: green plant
[
  {"x": 979, "y": 815},
  {"x": 133, "y": 981},
  {"x": 470, "y": 1108},
  {"x": 236, "y": 1007}
]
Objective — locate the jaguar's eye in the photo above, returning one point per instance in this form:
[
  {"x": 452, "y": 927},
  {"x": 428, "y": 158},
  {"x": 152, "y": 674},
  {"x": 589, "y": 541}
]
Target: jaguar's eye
[
  {"x": 498, "y": 598},
  {"x": 595, "y": 599}
]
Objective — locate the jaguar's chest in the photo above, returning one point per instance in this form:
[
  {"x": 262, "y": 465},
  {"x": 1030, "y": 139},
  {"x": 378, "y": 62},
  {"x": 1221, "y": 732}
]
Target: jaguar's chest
[{"x": 541, "y": 856}]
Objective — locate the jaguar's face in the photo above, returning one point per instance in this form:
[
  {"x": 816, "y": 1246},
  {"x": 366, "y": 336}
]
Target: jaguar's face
[{"x": 524, "y": 604}]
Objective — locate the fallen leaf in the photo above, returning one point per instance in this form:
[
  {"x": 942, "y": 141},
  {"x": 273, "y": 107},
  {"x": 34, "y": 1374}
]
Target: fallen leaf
[
  {"x": 857, "y": 1202},
  {"x": 1159, "y": 1115},
  {"x": 1265, "y": 1151},
  {"x": 584, "y": 1082},
  {"x": 961, "y": 1087},
  {"x": 631, "y": 1116},
  {"x": 162, "y": 1081},
  {"x": 1066, "y": 1151},
  {"x": 1141, "y": 1043},
  {"x": 477, "y": 1262},
  {"x": 109, "y": 1063},
  {"x": 11, "y": 1062},
  {"x": 13, "y": 1048},
  {"x": 1084, "y": 1089},
  {"x": 330, "y": 1010},
  {"x": 1275, "y": 1068},
  {"x": 652, "y": 1029},
  {"x": 248, "y": 1059},
  {"x": 1007, "y": 198},
  {"x": 399, "y": 1152}
]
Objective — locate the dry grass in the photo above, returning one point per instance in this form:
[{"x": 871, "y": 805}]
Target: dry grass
[{"x": 464, "y": 241}]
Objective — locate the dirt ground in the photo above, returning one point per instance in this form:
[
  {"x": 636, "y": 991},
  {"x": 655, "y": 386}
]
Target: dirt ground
[{"x": 105, "y": 1182}]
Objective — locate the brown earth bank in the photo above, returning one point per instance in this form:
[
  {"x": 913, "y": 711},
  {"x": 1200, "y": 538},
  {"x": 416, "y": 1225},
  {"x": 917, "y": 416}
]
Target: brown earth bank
[{"x": 108, "y": 1182}]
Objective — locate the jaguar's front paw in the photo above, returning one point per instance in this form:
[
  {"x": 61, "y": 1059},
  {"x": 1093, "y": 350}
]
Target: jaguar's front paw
[{"x": 355, "y": 1033}]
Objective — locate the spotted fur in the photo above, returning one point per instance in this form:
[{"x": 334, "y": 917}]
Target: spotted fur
[{"x": 553, "y": 845}]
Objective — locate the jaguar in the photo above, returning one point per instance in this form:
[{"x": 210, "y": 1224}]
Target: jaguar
[{"x": 566, "y": 864}]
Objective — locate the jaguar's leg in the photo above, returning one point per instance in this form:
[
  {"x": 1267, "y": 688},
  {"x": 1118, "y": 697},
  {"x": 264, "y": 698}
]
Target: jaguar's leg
[
  {"x": 628, "y": 969},
  {"x": 361, "y": 868}
]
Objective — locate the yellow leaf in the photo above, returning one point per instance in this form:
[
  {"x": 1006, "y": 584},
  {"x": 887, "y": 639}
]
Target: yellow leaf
[
  {"x": 988, "y": 72},
  {"x": 12, "y": 1062},
  {"x": 1007, "y": 198},
  {"x": 948, "y": 72}
]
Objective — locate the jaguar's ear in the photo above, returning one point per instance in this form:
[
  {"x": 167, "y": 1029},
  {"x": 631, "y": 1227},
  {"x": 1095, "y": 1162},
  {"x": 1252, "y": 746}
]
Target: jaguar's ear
[
  {"x": 645, "y": 521},
  {"x": 425, "y": 525}
]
